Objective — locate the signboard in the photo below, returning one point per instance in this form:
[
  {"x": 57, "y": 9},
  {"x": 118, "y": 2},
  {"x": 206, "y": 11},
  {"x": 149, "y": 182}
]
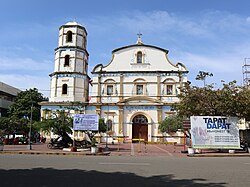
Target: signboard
[
  {"x": 215, "y": 132},
  {"x": 86, "y": 122}
]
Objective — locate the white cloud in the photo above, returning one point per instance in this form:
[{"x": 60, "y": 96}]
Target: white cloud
[
  {"x": 224, "y": 67},
  {"x": 24, "y": 82},
  {"x": 27, "y": 64},
  {"x": 213, "y": 41},
  {"x": 210, "y": 41},
  {"x": 248, "y": 19},
  {"x": 225, "y": 64}
]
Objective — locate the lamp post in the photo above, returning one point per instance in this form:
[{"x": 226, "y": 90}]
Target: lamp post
[
  {"x": 107, "y": 124},
  {"x": 29, "y": 146}
]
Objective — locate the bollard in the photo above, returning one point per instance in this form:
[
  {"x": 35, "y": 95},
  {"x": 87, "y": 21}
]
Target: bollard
[
  {"x": 139, "y": 146},
  {"x": 145, "y": 143}
]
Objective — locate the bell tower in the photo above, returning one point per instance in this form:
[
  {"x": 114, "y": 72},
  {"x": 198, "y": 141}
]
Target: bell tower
[{"x": 70, "y": 80}]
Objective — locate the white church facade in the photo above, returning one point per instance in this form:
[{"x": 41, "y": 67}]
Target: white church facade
[{"x": 133, "y": 92}]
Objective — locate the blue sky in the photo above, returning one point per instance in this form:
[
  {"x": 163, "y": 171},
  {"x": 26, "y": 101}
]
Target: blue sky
[{"x": 204, "y": 35}]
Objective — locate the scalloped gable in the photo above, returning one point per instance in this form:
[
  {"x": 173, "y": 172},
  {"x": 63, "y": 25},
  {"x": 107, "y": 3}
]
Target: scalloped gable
[{"x": 154, "y": 59}]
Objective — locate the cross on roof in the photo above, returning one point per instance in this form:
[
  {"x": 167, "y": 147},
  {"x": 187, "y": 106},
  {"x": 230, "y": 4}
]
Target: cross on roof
[
  {"x": 139, "y": 35},
  {"x": 139, "y": 40}
]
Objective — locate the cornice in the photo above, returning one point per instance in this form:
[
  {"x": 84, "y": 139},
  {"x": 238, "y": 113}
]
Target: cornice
[
  {"x": 47, "y": 103},
  {"x": 71, "y": 47},
  {"x": 140, "y": 45},
  {"x": 73, "y": 26},
  {"x": 67, "y": 72}
]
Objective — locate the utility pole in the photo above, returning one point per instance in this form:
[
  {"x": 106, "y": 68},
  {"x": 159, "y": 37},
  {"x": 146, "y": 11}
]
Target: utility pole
[{"x": 29, "y": 146}]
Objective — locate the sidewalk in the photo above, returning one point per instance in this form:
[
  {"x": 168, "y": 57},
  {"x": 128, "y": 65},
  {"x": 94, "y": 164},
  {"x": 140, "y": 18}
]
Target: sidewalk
[
  {"x": 223, "y": 153},
  {"x": 123, "y": 149}
]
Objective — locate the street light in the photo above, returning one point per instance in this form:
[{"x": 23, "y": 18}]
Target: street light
[
  {"x": 29, "y": 146},
  {"x": 107, "y": 124}
]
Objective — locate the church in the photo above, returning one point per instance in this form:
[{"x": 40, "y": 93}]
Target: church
[{"x": 133, "y": 92}]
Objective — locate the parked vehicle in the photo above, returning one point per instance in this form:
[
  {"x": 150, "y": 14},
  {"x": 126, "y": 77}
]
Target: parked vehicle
[
  {"x": 82, "y": 144},
  {"x": 16, "y": 141},
  {"x": 57, "y": 143},
  {"x": 244, "y": 145}
]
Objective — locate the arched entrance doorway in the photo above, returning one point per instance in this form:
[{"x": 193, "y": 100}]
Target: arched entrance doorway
[{"x": 140, "y": 127}]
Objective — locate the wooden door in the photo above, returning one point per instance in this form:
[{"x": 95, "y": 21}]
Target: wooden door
[{"x": 140, "y": 131}]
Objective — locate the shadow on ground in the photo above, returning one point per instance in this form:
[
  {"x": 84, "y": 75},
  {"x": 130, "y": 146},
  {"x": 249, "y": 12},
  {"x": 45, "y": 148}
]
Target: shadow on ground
[{"x": 44, "y": 177}]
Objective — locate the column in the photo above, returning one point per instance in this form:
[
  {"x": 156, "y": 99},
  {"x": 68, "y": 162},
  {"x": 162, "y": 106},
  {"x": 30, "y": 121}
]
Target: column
[
  {"x": 180, "y": 81},
  {"x": 120, "y": 130},
  {"x": 121, "y": 87},
  {"x": 99, "y": 89},
  {"x": 56, "y": 80},
  {"x": 158, "y": 87},
  {"x": 159, "y": 114}
]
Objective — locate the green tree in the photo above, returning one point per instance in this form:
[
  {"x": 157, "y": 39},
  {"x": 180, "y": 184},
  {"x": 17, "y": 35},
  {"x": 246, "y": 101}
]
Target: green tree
[
  {"x": 19, "y": 113},
  {"x": 27, "y": 101},
  {"x": 59, "y": 122},
  {"x": 242, "y": 102},
  {"x": 227, "y": 99},
  {"x": 102, "y": 125},
  {"x": 171, "y": 124},
  {"x": 6, "y": 127},
  {"x": 202, "y": 75},
  {"x": 197, "y": 101},
  {"x": 230, "y": 100}
]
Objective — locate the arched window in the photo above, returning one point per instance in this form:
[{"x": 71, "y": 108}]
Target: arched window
[
  {"x": 66, "y": 60},
  {"x": 170, "y": 87},
  {"x": 64, "y": 89},
  {"x": 139, "y": 87},
  {"x": 139, "y": 57},
  {"x": 110, "y": 87},
  {"x": 109, "y": 124},
  {"x": 140, "y": 119},
  {"x": 69, "y": 36}
]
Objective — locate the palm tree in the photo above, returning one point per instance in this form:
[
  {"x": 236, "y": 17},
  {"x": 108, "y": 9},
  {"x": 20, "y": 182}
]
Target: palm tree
[{"x": 202, "y": 75}]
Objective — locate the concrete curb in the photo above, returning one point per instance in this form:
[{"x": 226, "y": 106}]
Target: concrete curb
[
  {"x": 219, "y": 155},
  {"x": 110, "y": 153},
  {"x": 55, "y": 153}
]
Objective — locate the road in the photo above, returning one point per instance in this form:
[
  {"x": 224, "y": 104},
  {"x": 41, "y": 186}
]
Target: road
[{"x": 48, "y": 170}]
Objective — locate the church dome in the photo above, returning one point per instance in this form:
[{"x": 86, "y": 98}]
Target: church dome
[{"x": 73, "y": 23}]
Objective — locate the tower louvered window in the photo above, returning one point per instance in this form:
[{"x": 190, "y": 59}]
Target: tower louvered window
[
  {"x": 64, "y": 89},
  {"x": 69, "y": 36},
  {"x": 66, "y": 60}
]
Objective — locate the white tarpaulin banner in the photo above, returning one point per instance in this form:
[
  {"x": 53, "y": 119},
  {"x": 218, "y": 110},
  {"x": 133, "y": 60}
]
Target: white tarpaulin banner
[
  {"x": 215, "y": 132},
  {"x": 86, "y": 122}
]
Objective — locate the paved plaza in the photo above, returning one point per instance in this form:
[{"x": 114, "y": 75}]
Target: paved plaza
[{"x": 123, "y": 149}]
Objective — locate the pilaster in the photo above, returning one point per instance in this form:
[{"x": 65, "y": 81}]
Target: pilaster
[
  {"x": 158, "y": 87},
  {"x": 159, "y": 114},
  {"x": 98, "y": 111},
  {"x": 99, "y": 89},
  {"x": 120, "y": 120},
  {"x": 121, "y": 87},
  {"x": 180, "y": 81}
]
